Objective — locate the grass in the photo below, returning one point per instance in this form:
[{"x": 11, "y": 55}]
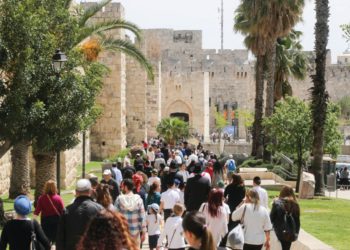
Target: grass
[
  {"x": 91, "y": 167},
  {"x": 327, "y": 219}
]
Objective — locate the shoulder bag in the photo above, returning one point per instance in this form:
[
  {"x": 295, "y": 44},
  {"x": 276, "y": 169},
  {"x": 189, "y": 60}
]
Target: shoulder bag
[
  {"x": 58, "y": 213},
  {"x": 235, "y": 238}
]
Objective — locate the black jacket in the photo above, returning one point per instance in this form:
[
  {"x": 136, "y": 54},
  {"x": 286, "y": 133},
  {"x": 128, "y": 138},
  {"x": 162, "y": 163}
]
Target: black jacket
[
  {"x": 235, "y": 195},
  {"x": 196, "y": 192},
  {"x": 277, "y": 215},
  {"x": 74, "y": 222},
  {"x": 17, "y": 234}
]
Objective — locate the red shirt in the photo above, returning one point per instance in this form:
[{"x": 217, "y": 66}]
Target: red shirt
[
  {"x": 44, "y": 206},
  {"x": 210, "y": 171}
]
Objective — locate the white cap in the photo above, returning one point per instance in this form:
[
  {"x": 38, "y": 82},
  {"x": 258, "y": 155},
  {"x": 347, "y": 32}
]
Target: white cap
[
  {"x": 107, "y": 172},
  {"x": 166, "y": 169},
  {"x": 83, "y": 185}
]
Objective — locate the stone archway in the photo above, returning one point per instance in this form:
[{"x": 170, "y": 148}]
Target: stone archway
[{"x": 180, "y": 109}]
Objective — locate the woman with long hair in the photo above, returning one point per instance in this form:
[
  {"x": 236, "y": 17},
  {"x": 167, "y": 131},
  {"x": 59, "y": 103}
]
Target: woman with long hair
[
  {"x": 215, "y": 215},
  {"x": 218, "y": 174},
  {"x": 285, "y": 204},
  {"x": 196, "y": 232},
  {"x": 153, "y": 194},
  {"x": 103, "y": 196},
  {"x": 234, "y": 195},
  {"x": 50, "y": 206},
  {"x": 107, "y": 231},
  {"x": 256, "y": 222}
]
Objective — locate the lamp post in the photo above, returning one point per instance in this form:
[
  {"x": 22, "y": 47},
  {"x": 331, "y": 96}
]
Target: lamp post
[{"x": 58, "y": 61}]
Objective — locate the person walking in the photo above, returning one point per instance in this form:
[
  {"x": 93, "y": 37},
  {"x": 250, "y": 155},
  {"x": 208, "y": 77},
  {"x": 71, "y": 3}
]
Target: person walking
[
  {"x": 103, "y": 197},
  {"x": 196, "y": 232},
  {"x": 50, "y": 206},
  {"x": 17, "y": 233},
  {"x": 264, "y": 199},
  {"x": 168, "y": 199},
  {"x": 215, "y": 215},
  {"x": 108, "y": 230},
  {"x": 131, "y": 206},
  {"x": 112, "y": 184},
  {"x": 76, "y": 217},
  {"x": 230, "y": 168},
  {"x": 256, "y": 222},
  {"x": 153, "y": 194},
  {"x": 173, "y": 230},
  {"x": 285, "y": 205},
  {"x": 153, "y": 221},
  {"x": 197, "y": 190}
]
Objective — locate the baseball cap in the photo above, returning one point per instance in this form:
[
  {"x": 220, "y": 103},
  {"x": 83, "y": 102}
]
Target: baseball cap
[
  {"x": 22, "y": 205},
  {"x": 107, "y": 172},
  {"x": 154, "y": 171},
  {"x": 83, "y": 185},
  {"x": 154, "y": 206}
]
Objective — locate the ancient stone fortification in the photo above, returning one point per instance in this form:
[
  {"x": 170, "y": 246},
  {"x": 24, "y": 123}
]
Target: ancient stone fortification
[{"x": 191, "y": 82}]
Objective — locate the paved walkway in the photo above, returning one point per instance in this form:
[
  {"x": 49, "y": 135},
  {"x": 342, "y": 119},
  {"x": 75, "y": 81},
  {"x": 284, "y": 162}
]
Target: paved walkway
[{"x": 341, "y": 194}]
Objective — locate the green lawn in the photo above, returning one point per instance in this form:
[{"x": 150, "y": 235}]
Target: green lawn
[
  {"x": 91, "y": 167},
  {"x": 326, "y": 219}
]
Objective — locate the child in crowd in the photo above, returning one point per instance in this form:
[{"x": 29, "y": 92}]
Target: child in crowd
[
  {"x": 153, "y": 220},
  {"x": 173, "y": 230}
]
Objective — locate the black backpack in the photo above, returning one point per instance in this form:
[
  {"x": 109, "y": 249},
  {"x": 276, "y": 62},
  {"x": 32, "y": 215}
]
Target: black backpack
[{"x": 289, "y": 228}]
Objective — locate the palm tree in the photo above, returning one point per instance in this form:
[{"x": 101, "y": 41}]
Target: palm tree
[
  {"x": 263, "y": 22},
  {"x": 173, "y": 129},
  {"x": 319, "y": 93},
  {"x": 91, "y": 40},
  {"x": 290, "y": 62}
]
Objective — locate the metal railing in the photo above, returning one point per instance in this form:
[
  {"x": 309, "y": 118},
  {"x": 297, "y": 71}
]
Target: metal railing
[{"x": 284, "y": 173}]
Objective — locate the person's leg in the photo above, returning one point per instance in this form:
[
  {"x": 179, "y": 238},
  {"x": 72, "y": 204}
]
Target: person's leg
[{"x": 286, "y": 245}]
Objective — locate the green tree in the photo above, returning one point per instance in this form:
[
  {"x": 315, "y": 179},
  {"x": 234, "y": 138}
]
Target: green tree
[
  {"x": 290, "y": 62},
  {"x": 346, "y": 30},
  {"x": 34, "y": 101},
  {"x": 319, "y": 93},
  {"x": 220, "y": 123},
  {"x": 173, "y": 129},
  {"x": 344, "y": 104},
  {"x": 291, "y": 126}
]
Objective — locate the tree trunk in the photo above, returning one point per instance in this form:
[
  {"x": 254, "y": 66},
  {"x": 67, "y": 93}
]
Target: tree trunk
[
  {"x": 319, "y": 94},
  {"x": 45, "y": 169},
  {"x": 20, "y": 174},
  {"x": 270, "y": 94},
  {"x": 257, "y": 145},
  {"x": 300, "y": 167}
]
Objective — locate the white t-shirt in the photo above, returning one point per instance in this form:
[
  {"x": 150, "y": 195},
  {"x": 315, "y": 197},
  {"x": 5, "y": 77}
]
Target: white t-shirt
[
  {"x": 216, "y": 225},
  {"x": 150, "y": 155},
  {"x": 153, "y": 226},
  {"x": 203, "y": 174},
  {"x": 263, "y": 197},
  {"x": 170, "y": 198},
  {"x": 184, "y": 174},
  {"x": 152, "y": 179},
  {"x": 256, "y": 222},
  {"x": 174, "y": 232}
]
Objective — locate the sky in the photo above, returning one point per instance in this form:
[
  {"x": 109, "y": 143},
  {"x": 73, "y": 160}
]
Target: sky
[{"x": 204, "y": 15}]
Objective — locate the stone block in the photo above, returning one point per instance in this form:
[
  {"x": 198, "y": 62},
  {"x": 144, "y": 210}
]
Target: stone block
[{"x": 307, "y": 186}]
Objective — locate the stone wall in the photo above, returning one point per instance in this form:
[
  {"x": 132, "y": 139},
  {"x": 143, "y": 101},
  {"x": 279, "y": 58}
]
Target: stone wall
[
  {"x": 5, "y": 172},
  {"x": 108, "y": 135}
]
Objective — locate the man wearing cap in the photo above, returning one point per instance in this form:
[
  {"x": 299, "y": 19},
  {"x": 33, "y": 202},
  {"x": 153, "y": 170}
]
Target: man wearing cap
[
  {"x": 112, "y": 184},
  {"x": 76, "y": 217},
  {"x": 197, "y": 190},
  {"x": 173, "y": 174},
  {"x": 138, "y": 163},
  {"x": 17, "y": 232}
]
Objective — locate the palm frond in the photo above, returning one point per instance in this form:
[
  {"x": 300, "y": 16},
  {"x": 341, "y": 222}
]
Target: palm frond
[
  {"x": 129, "y": 49},
  {"x": 91, "y": 11},
  {"x": 99, "y": 28}
]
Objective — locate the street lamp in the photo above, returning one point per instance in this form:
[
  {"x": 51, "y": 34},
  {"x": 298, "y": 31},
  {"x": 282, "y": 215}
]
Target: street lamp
[{"x": 58, "y": 61}]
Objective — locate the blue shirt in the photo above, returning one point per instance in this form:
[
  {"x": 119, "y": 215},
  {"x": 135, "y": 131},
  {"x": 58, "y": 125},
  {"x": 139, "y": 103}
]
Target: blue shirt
[{"x": 118, "y": 175}]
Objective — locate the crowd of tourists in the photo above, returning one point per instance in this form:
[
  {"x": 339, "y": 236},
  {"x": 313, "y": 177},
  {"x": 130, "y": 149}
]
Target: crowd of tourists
[{"x": 179, "y": 198}]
